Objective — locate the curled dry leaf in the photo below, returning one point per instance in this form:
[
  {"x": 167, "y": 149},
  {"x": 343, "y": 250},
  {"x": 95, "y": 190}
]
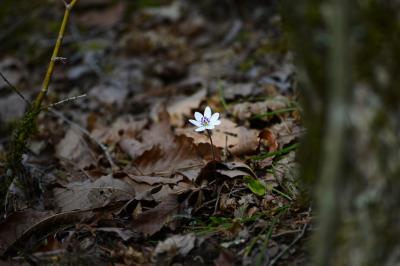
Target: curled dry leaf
[
  {"x": 268, "y": 140},
  {"x": 75, "y": 149},
  {"x": 238, "y": 140}
]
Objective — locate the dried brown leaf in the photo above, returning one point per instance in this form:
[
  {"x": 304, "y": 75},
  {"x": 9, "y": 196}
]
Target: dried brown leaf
[
  {"x": 176, "y": 245},
  {"x": 74, "y": 148},
  {"x": 286, "y": 132},
  {"x": 88, "y": 195},
  {"x": 124, "y": 127},
  {"x": 106, "y": 17},
  {"x": 151, "y": 221},
  {"x": 183, "y": 106},
  {"x": 28, "y": 223},
  {"x": 238, "y": 140},
  {"x": 156, "y": 180},
  {"x": 170, "y": 157},
  {"x": 268, "y": 140},
  {"x": 246, "y": 110}
]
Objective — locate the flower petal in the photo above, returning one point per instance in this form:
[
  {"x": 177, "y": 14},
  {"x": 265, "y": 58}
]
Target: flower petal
[
  {"x": 200, "y": 129},
  {"x": 216, "y": 123},
  {"x": 214, "y": 118},
  {"x": 194, "y": 122},
  {"x": 198, "y": 116},
  {"x": 210, "y": 126},
  {"x": 207, "y": 112}
]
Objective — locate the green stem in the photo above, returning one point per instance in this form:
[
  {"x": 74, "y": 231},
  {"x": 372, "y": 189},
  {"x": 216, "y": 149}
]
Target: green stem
[
  {"x": 275, "y": 153},
  {"x": 50, "y": 69}
]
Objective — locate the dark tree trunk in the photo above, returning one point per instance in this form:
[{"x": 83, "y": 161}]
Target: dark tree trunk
[{"x": 348, "y": 56}]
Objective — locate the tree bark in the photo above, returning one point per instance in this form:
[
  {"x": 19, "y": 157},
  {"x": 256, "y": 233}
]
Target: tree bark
[{"x": 348, "y": 56}]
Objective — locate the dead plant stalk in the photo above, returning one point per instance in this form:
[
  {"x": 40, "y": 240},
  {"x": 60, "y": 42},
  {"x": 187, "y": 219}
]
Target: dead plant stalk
[{"x": 26, "y": 126}]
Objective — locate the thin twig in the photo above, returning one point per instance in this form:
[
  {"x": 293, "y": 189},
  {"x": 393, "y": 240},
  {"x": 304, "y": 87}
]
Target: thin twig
[
  {"x": 299, "y": 236},
  {"x": 218, "y": 197},
  {"x": 14, "y": 89},
  {"x": 66, "y": 100},
  {"x": 84, "y": 131}
]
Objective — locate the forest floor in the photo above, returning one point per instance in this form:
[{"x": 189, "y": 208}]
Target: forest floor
[{"x": 124, "y": 177}]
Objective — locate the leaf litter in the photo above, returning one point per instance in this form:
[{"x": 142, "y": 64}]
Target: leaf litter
[{"x": 165, "y": 200}]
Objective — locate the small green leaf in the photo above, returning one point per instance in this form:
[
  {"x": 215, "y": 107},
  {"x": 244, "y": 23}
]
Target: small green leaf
[{"x": 255, "y": 185}]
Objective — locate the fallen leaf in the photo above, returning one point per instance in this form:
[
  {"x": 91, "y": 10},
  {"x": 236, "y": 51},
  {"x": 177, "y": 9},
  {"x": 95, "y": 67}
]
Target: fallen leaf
[
  {"x": 286, "y": 172},
  {"x": 246, "y": 110},
  {"x": 183, "y": 106},
  {"x": 134, "y": 148},
  {"x": 109, "y": 95},
  {"x": 176, "y": 245},
  {"x": 123, "y": 233},
  {"x": 153, "y": 180},
  {"x": 106, "y": 17},
  {"x": 286, "y": 132},
  {"x": 172, "y": 12},
  {"x": 238, "y": 140},
  {"x": 227, "y": 203},
  {"x": 169, "y": 157},
  {"x": 124, "y": 127},
  {"x": 88, "y": 195},
  {"x": 227, "y": 170},
  {"x": 28, "y": 223},
  {"x": 281, "y": 78},
  {"x": 225, "y": 258},
  {"x": 268, "y": 140},
  {"x": 74, "y": 148},
  {"x": 151, "y": 221},
  {"x": 238, "y": 90}
]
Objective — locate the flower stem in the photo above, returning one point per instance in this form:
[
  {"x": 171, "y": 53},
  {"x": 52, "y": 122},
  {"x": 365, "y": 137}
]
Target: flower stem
[{"x": 212, "y": 145}]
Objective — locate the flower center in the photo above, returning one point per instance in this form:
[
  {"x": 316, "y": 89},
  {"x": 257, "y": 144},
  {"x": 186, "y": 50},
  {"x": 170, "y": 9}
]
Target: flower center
[{"x": 205, "y": 121}]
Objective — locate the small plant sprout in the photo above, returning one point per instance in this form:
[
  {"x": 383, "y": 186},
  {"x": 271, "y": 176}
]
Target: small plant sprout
[{"x": 206, "y": 122}]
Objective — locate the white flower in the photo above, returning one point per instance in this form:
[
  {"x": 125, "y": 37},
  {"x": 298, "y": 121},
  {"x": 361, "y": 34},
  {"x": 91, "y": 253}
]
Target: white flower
[{"x": 206, "y": 121}]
